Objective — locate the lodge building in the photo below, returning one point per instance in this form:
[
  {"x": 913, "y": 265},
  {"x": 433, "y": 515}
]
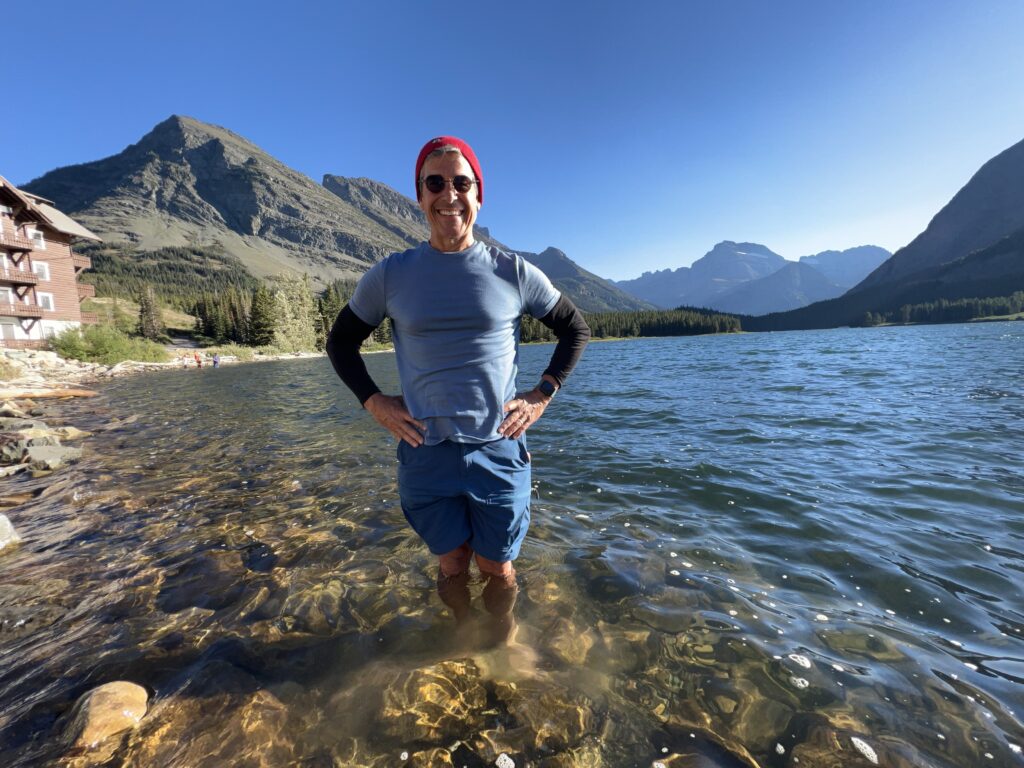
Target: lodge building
[{"x": 40, "y": 294}]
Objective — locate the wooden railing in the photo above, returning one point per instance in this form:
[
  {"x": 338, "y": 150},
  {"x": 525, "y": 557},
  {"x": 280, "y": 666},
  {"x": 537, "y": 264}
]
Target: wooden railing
[
  {"x": 20, "y": 310},
  {"x": 81, "y": 262},
  {"x": 90, "y": 318},
  {"x": 17, "y": 242},
  {"x": 18, "y": 276},
  {"x": 23, "y": 343},
  {"x": 86, "y": 291}
]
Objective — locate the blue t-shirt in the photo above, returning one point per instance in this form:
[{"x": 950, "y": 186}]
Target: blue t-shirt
[{"x": 455, "y": 322}]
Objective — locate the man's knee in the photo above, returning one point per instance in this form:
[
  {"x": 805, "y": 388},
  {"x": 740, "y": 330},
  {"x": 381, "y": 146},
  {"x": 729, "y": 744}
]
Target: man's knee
[
  {"x": 456, "y": 561},
  {"x": 504, "y": 571}
]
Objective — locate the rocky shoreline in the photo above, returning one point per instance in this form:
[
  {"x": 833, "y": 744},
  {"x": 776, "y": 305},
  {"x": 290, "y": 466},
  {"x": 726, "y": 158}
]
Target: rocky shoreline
[
  {"x": 30, "y": 445},
  {"x": 27, "y": 442}
]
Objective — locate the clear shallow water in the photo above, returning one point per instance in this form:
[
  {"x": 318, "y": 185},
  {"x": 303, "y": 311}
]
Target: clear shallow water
[{"x": 761, "y": 549}]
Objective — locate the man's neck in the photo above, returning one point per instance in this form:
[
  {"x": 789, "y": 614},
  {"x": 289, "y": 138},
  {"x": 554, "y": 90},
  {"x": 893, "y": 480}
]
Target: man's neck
[{"x": 452, "y": 246}]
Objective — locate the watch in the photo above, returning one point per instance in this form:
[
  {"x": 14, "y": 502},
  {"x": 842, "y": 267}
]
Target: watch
[{"x": 547, "y": 389}]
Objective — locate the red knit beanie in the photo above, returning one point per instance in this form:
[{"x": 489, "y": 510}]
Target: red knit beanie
[{"x": 464, "y": 148}]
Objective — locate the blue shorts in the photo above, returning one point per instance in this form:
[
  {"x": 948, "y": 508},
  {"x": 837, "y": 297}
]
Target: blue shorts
[{"x": 475, "y": 493}]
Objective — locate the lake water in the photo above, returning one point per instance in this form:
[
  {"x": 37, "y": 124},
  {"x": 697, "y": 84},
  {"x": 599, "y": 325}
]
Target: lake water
[{"x": 792, "y": 549}]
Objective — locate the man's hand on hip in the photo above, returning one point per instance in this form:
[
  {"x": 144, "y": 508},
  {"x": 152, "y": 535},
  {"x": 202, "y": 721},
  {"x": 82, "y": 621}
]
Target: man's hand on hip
[
  {"x": 522, "y": 412},
  {"x": 391, "y": 413}
]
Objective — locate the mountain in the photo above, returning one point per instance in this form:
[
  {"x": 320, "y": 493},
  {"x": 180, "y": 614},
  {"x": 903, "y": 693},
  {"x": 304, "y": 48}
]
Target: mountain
[
  {"x": 795, "y": 285},
  {"x": 724, "y": 267},
  {"x": 849, "y": 267},
  {"x": 663, "y": 288},
  {"x": 588, "y": 291},
  {"x": 997, "y": 270},
  {"x": 187, "y": 183},
  {"x": 972, "y": 248},
  {"x": 201, "y": 188},
  {"x": 989, "y": 207}
]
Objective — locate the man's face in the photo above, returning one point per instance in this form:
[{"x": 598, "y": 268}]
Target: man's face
[{"x": 451, "y": 214}]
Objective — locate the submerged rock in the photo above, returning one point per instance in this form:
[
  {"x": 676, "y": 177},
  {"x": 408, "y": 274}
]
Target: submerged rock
[
  {"x": 212, "y": 579},
  {"x": 555, "y": 719},
  {"x": 588, "y": 756},
  {"x": 315, "y": 606},
  {"x": 50, "y": 457},
  {"x": 434, "y": 703},
  {"x": 7, "y": 533},
  {"x": 10, "y": 410},
  {"x": 569, "y": 643},
  {"x": 433, "y": 758},
  {"x": 105, "y": 712},
  {"x": 221, "y": 717}
]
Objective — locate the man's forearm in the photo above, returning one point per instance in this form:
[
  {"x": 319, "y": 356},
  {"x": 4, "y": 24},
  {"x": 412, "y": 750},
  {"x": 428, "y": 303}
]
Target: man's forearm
[
  {"x": 343, "y": 342},
  {"x": 572, "y": 332}
]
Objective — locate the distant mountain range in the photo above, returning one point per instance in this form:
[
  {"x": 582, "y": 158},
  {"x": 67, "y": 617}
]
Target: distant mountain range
[
  {"x": 751, "y": 279},
  {"x": 188, "y": 183},
  {"x": 972, "y": 248}
]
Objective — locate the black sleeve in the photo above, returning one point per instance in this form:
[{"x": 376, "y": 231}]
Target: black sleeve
[
  {"x": 347, "y": 333},
  {"x": 573, "y": 334}
]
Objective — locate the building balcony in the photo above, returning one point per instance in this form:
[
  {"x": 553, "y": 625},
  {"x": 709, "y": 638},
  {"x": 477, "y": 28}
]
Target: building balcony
[
  {"x": 81, "y": 262},
  {"x": 17, "y": 276},
  {"x": 15, "y": 242},
  {"x": 90, "y": 318},
  {"x": 86, "y": 291},
  {"x": 23, "y": 343},
  {"x": 20, "y": 310}
]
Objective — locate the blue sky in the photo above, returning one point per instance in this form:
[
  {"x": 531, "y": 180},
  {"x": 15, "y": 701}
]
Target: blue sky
[{"x": 633, "y": 136}]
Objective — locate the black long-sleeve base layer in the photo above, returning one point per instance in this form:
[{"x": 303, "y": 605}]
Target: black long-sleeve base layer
[{"x": 349, "y": 332}]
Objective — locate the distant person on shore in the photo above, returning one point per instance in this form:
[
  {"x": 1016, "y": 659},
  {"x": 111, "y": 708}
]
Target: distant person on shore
[
  {"x": 455, "y": 306},
  {"x": 199, "y": 359},
  {"x": 216, "y": 360}
]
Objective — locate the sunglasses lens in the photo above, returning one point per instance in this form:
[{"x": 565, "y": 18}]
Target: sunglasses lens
[{"x": 434, "y": 183}]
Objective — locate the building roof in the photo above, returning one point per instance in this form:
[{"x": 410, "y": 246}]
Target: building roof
[
  {"x": 44, "y": 209},
  {"x": 64, "y": 223}
]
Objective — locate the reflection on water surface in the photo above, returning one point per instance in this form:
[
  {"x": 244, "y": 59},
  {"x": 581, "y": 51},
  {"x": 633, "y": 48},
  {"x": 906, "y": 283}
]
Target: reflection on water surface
[{"x": 776, "y": 550}]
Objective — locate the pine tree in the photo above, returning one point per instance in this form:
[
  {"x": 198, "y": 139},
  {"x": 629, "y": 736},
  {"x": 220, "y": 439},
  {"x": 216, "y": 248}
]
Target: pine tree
[
  {"x": 262, "y": 318},
  {"x": 151, "y": 324},
  {"x": 295, "y": 311},
  {"x": 328, "y": 306}
]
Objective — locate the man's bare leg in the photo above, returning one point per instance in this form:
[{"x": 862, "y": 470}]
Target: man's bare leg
[
  {"x": 499, "y": 595},
  {"x": 453, "y": 581}
]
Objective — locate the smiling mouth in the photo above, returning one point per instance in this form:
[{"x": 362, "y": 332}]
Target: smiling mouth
[{"x": 448, "y": 211}]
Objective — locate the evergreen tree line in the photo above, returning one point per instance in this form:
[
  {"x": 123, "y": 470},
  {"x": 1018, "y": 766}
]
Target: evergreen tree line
[
  {"x": 667, "y": 322},
  {"x": 949, "y": 311},
  {"x": 288, "y": 316},
  {"x": 175, "y": 274},
  {"x": 285, "y": 314}
]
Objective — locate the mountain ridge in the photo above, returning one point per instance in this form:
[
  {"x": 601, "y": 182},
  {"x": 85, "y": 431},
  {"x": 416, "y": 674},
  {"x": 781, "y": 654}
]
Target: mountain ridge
[{"x": 192, "y": 184}]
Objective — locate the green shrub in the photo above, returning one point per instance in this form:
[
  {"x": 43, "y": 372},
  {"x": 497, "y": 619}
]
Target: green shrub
[{"x": 107, "y": 345}]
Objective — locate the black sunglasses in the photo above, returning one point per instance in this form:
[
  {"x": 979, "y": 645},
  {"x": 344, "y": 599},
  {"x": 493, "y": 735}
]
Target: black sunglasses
[{"x": 436, "y": 183}]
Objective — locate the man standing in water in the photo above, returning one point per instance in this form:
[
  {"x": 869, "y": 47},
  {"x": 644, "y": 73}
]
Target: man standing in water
[{"x": 455, "y": 306}]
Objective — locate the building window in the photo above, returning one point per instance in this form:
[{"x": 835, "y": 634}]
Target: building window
[
  {"x": 45, "y": 300},
  {"x": 37, "y": 238},
  {"x": 6, "y": 296},
  {"x": 7, "y": 330},
  {"x": 42, "y": 269}
]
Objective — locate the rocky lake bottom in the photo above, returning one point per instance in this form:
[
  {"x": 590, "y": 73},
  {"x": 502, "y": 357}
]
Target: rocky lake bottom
[{"x": 769, "y": 550}]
